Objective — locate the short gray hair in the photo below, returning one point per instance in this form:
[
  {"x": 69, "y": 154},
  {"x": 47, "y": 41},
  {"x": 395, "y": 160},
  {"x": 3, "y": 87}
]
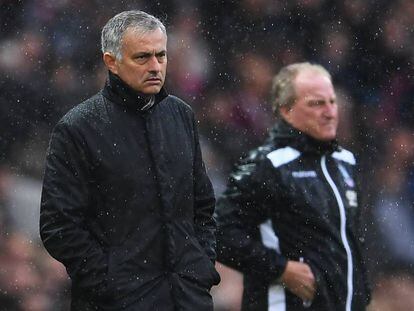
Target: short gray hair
[
  {"x": 283, "y": 88},
  {"x": 114, "y": 30}
]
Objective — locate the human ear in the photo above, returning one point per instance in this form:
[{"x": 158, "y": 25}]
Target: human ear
[
  {"x": 284, "y": 112},
  {"x": 110, "y": 62}
]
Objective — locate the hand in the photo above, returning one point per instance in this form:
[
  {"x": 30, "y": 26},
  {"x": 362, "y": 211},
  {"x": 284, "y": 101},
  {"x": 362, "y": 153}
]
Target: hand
[{"x": 299, "y": 279}]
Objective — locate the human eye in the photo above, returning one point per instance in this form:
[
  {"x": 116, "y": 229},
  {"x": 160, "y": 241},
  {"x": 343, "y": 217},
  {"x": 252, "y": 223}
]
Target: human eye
[
  {"x": 141, "y": 58},
  {"x": 315, "y": 103},
  {"x": 161, "y": 56}
]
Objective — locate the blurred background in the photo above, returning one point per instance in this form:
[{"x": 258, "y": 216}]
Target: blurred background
[{"x": 222, "y": 56}]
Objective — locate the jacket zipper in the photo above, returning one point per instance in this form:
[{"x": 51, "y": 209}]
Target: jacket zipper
[{"x": 343, "y": 232}]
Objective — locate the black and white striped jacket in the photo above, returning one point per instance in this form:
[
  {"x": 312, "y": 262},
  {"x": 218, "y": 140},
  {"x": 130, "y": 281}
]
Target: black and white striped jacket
[{"x": 294, "y": 198}]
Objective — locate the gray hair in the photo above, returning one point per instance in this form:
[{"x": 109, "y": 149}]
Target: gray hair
[
  {"x": 114, "y": 30},
  {"x": 283, "y": 91}
]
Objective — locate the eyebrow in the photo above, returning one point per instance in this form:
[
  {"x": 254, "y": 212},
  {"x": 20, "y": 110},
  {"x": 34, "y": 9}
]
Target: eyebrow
[
  {"x": 321, "y": 100},
  {"x": 319, "y": 97},
  {"x": 147, "y": 54}
]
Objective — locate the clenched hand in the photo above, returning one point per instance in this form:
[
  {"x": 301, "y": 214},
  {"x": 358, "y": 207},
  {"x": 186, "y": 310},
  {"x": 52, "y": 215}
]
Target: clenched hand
[{"x": 299, "y": 279}]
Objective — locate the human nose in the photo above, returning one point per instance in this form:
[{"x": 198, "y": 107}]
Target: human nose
[
  {"x": 154, "y": 64},
  {"x": 330, "y": 110}
]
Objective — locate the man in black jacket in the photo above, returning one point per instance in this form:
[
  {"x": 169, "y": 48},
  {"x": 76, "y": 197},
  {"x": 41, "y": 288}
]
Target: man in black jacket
[
  {"x": 126, "y": 204},
  {"x": 289, "y": 218}
]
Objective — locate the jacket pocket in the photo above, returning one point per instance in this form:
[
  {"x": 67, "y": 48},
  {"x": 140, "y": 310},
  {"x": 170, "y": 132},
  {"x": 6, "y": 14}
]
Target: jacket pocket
[
  {"x": 204, "y": 271},
  {"x": 318, "y": 280},
  {"x": 118, "y": 284}
]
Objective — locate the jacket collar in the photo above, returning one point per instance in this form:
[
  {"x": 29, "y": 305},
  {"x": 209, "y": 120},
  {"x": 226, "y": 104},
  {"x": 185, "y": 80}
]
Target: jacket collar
[
  {"x": 121, "y": 93},
  {"x": 283, "y": 134}
]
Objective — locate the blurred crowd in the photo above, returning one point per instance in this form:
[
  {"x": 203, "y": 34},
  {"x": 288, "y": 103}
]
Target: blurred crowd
[{"x": 222, "y": 56}]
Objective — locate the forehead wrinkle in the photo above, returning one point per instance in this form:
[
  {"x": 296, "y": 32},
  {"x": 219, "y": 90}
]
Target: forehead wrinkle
[{"x": 144, "y": 42}]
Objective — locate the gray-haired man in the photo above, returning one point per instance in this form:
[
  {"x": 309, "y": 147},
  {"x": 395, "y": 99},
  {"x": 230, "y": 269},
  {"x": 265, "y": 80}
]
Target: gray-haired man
[
  {"x": 126, "y": 204},
  {"x": 289, "y": 219}
]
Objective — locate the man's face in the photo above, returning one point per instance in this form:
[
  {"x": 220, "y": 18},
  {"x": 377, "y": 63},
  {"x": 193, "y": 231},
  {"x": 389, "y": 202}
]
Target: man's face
[
  {"x": 315, "y": 111},
  {"x": 144, "y": 61}
]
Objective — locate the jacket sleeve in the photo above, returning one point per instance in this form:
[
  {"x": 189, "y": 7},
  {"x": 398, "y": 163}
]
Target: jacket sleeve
[
  {"x": 204, "y": 203},
  {"x": 64, "y": 204},
  {"x": 239, "y": 212}
]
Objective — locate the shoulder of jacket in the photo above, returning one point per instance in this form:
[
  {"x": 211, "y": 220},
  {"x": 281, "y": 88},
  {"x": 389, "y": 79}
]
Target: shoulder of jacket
[
  {"x": 85, "y": 111},
  {"x": 267, "y": 152},
  {"x": 255, "y": 155},
  {"x": 344, "y": 155},
  {"x": 171, "y": 99},
  {"x": 282, "y": 156},
  {"x": 82, "y": 116}
]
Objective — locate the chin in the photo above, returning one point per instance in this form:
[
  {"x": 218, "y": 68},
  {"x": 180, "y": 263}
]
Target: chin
[
  {"x": 151, "y": 91},
  {"x": 328, "y": 137}
]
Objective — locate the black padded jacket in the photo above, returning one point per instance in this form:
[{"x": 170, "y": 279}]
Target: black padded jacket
[{"x": 127, "y": 205}]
